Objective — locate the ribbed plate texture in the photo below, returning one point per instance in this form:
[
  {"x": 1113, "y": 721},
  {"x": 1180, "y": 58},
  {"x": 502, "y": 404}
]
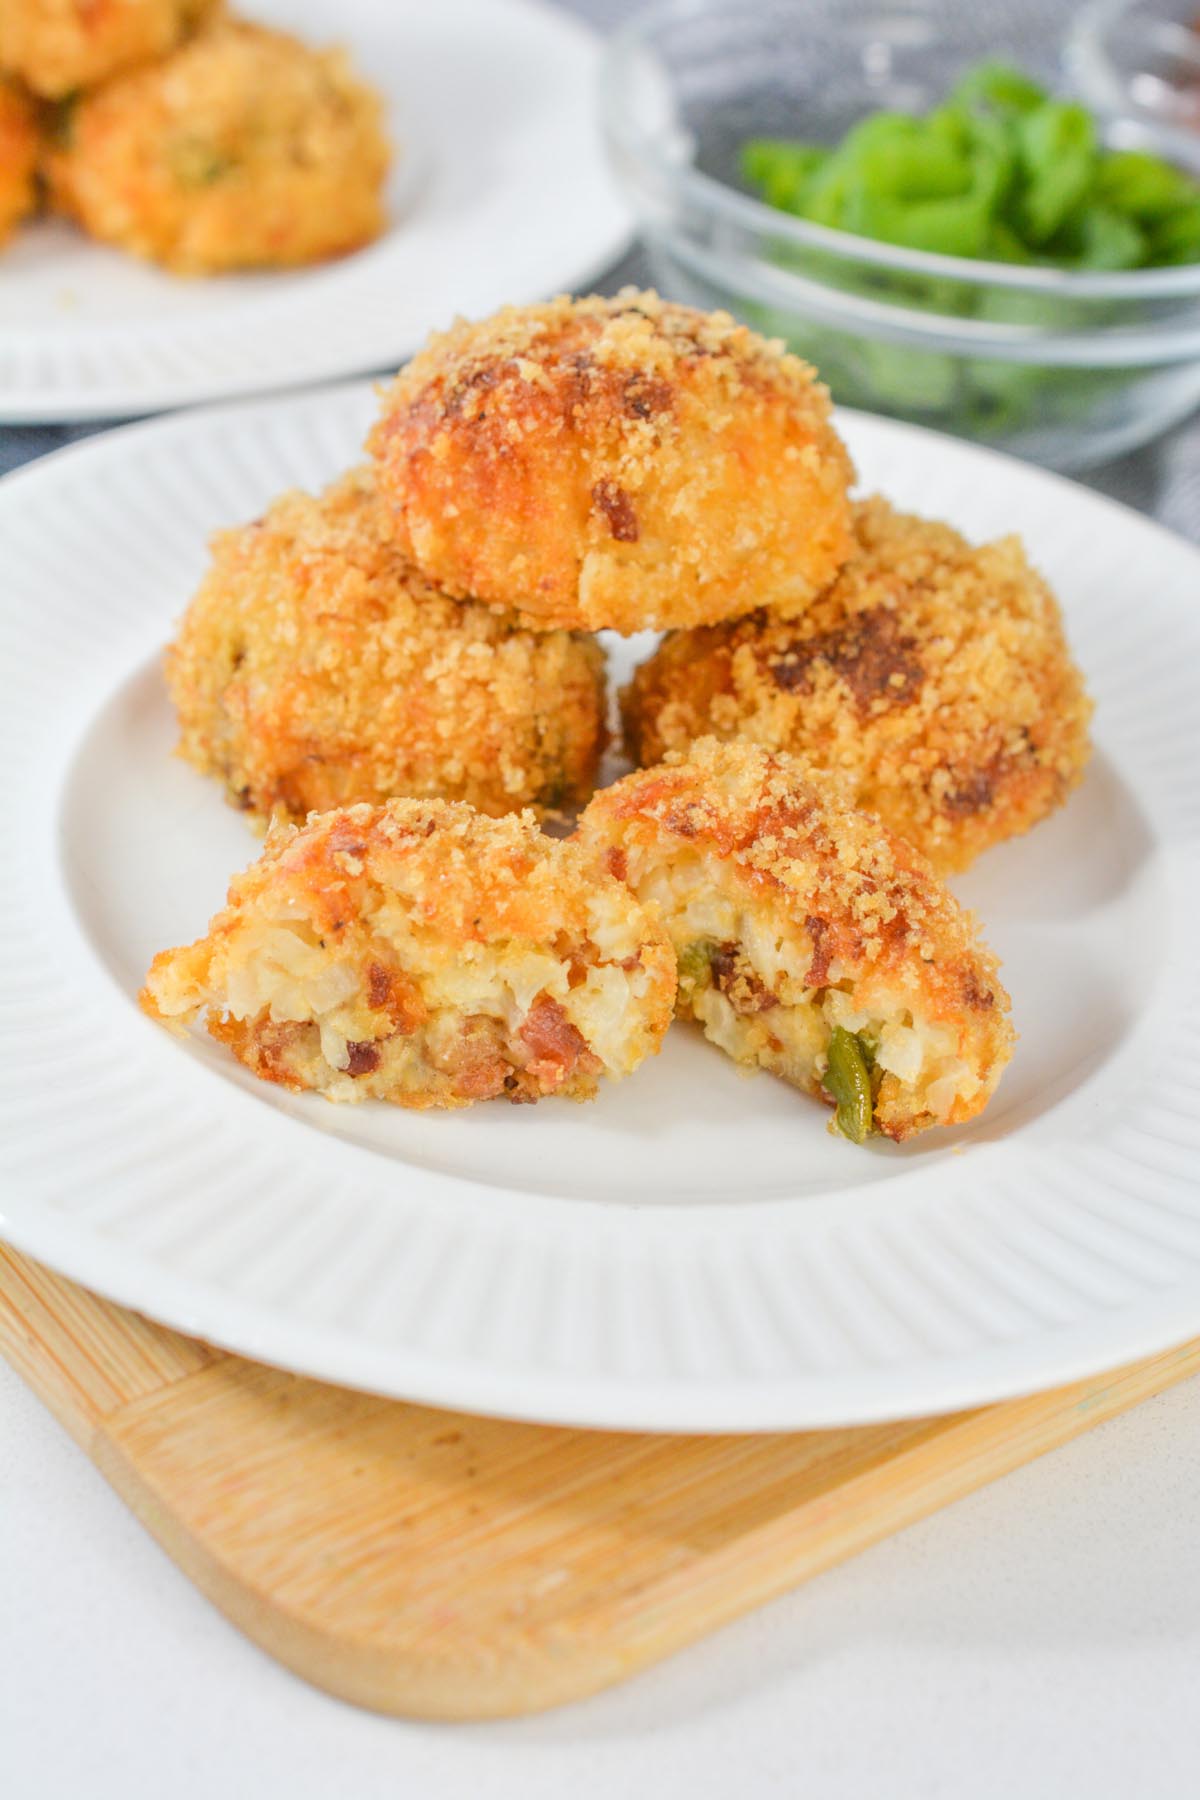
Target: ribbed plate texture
[{"x": 693, "y": 1250}]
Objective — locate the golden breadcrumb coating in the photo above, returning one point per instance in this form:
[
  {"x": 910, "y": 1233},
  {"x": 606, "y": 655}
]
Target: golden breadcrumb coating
[
  {"x": 615, "y": 462},
  {"x": 423, "y": 954},
  {"x": 243, "y": 149},
  {"x": 20, "y": 148},
  {"x": 935, "y": 678},
  {"x": 315, "y": 668},
  {"x": 811, "y": 941},
  {"x": 60, "y": 46}
]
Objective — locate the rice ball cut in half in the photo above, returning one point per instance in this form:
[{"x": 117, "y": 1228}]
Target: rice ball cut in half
[
  {"x": 424, "y": 954},
  {"x": 19, "y": 150},
  {"x": 243, "y": 149},
  {"x": 811, "y": 941},
  {"x": 615, "y": 463},
  {"x": 315, "y": 668},
  {"x": 934, "y": 677}
]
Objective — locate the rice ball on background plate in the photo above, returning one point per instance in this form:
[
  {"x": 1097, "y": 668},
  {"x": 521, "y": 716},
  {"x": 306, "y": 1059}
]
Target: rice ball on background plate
[
  {"x": 243, "y": 149},
  {"x": 60, "y": 46},
  {"x": 20, "y": 149}
]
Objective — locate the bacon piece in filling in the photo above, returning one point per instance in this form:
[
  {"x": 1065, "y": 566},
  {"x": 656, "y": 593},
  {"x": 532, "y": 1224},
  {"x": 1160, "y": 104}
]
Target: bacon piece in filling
[{"x": 558, "y": 1049}]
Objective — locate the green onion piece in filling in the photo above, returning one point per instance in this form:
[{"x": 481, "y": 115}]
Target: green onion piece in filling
[
  {"x": 847, "y": 1080},
  {"x": 59, "y": 120},
  {"x": 694, "y": 963}
]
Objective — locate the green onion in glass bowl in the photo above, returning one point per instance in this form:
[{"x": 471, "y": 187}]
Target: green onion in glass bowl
[
  {"x": 899, "y": 191},
  {"x": 1001, "y": 170}
]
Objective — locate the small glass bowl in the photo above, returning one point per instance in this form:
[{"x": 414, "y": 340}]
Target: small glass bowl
[
  {"x": 1140, "y": 59},
  {"x": 1066, "y": 369}
]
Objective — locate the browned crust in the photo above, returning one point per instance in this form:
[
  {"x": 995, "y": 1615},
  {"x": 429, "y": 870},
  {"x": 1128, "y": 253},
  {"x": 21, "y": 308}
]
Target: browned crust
[
  {"x": 831, "y": 875},
  {"x": 315, "y": 668},
  {"x": 933, "y": 677},
  {"x": 615, "y": 462},
  {"x": 20, "y": 144}
]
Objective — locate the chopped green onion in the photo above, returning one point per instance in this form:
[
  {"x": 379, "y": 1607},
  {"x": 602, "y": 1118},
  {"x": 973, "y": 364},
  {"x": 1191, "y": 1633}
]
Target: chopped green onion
[
  {"x": 1056, "y": 151},
  {"x": 1000, "y": 169},
  {"x": 1176, "y": 239},
  {"x": 1000, "y": 88},
  {"x": 694, "y": 963}
]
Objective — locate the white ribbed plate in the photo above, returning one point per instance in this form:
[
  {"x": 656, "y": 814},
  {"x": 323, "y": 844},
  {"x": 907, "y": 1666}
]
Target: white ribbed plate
[
  {"x": 693, "y": 1250},
  {"x": 500, "y": 192}
]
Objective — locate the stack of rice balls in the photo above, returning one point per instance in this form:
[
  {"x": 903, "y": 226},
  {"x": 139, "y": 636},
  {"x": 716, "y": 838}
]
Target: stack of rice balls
[
  {"x": 186, "y": 136},
  {"x": 400, "y": 678}
]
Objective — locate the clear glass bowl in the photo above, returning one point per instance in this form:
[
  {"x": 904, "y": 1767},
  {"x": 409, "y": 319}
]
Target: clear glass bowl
[
  {"x": 1066, "y": 369},
  {"x": 1141, "y": 59}
]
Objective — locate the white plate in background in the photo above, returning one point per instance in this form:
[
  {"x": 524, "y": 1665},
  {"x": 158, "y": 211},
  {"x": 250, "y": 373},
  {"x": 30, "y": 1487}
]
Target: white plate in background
[
  {"x": 692, "y": 1251},
  {"x": 499, "y": 194}
]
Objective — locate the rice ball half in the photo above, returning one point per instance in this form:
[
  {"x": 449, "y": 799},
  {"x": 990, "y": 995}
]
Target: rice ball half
[
  {"x": 810, "y": 940},
  {"x": 423, "y": 954}
]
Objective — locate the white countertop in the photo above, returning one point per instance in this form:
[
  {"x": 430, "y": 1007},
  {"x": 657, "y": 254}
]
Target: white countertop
[{"x": 1037, "y": 1640}]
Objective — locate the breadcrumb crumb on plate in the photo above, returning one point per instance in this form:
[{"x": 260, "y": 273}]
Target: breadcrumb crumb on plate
[
  {"x": 811, "y": 941},
  {"x": 615, "y": 463},
  {"x": 933, "y": 677},
  {"x": 426, "y": 955}
]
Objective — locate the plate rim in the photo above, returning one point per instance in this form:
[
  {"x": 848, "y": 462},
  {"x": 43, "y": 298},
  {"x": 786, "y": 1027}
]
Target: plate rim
[{"x": 705, "y": 1407}]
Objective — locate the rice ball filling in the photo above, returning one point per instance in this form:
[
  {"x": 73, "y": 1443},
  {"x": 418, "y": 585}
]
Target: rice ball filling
[
  {"x": 748, "y": 984},
  {"x": 356, "y": 960},
  {"x": 810, "y": 940}
]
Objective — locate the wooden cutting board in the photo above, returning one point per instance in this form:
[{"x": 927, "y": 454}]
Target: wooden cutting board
[{"x": 445, "y": 1566}]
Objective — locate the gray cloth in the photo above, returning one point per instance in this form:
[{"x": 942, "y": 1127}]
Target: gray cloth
[{"x": 1163, "y": 479}]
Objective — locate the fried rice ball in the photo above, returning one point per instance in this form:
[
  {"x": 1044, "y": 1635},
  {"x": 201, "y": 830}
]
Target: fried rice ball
[
  {"x": 20, "y": 147},
  {"x": 424, "y": 954},
  {"x": 60, "y": 46},
  {"x": 615, "y": 462},
  {"x": 315, "y": 668},
  {"x": 244, "y": 149},
  {"x": 810, "y": 940},
  {"x": 933, "y": 676}
]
